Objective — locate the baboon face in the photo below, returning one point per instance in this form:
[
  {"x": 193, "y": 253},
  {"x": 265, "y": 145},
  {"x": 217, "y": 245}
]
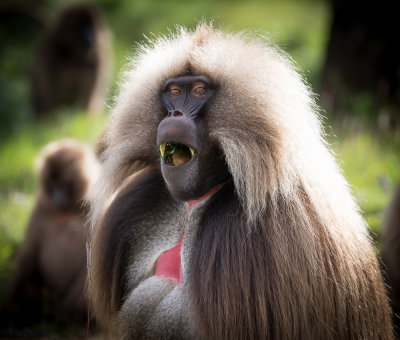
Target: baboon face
[
  {"x": 76, "y": 33},
  {"x": 62, "y": 180},
  {"x": 192, "y": 163}
]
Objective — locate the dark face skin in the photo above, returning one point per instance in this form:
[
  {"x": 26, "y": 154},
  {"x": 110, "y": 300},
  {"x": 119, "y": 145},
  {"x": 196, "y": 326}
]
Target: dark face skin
[
  {"x": 63, "y": 184},
  {"x": 191, "y": 163}
]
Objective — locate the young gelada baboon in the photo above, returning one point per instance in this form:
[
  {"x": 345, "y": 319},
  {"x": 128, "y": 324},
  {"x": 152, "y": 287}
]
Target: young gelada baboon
[
  {"x": 72, "y": 66},
  {"x": 391, "y": 255},
  {"x": 220, "y": 212},
  {"x": 51, "y": 269}
]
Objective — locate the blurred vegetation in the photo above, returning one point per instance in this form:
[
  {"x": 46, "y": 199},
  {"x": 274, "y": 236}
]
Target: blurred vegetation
[
  {"x": 298, "y": 27},
  {"x": 370, "y": 159}
]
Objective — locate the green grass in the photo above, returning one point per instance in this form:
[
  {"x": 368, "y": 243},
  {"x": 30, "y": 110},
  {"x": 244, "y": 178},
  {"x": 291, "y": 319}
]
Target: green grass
[
  {"x": 18, "y": 152},
  {"x": 298, "y": 27},
  {"x": 371, "y": 164}
]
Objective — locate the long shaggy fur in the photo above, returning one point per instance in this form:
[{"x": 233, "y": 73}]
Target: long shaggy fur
[
  {"x": 293, "y": 259},
  {"x": 51, "y": 269}
]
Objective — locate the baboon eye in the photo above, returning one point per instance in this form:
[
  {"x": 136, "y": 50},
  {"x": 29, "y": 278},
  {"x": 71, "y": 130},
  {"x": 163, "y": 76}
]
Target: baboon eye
[
  {"x": 174, "y": 90},
  {"x": 199, "y": 89}
]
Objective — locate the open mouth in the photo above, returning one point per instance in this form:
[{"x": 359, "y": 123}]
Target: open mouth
[{"x": 176, "y": 154}]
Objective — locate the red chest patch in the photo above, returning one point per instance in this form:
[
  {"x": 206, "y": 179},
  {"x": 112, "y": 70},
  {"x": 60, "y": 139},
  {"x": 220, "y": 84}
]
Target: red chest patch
[{"x": 169, "y": 264}]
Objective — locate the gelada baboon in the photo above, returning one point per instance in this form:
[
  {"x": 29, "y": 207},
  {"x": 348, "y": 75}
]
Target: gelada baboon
[
  {"x": 244, "y": 228},
  {"x": 391, "y": 254},
  {"x": 72, "y": 66},
  {"x": 51, "y": 269}
]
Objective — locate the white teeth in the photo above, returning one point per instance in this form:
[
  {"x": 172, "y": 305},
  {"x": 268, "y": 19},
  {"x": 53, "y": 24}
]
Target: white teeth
[
  {"x": 162, "y": 149},
  {"x": 170, "y": 149}
]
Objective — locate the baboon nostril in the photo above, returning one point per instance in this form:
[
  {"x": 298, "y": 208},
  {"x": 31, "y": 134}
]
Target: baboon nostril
[{"x": 177, "y": 113}]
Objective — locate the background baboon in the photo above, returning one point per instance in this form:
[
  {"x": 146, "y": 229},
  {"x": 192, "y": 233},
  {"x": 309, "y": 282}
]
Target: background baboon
[
  {"x": 51, "y": 270},
  {"x": 245, "y": 229},
  {"x": 391, "y": 254},
  {"x": 72, "y": 65}
]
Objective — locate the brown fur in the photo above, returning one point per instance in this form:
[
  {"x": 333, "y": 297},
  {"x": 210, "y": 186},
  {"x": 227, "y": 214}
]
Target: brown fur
[
  {"x": 391, "y": 254},
  {"x": 51, "y": 269},
  {"x": 279, "y": 252},
  {"x": 72, "y": 66}
]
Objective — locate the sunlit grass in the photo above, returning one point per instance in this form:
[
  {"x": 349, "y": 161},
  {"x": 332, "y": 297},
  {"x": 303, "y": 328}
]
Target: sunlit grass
[
  {"x": 18, "y": 153},
  {"x": 371, "y": 164},
  {"x": 298, "y": 27}
]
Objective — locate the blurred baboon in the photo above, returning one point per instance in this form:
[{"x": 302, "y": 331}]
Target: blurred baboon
[
  {"x": 391, "y": 254},
  {"x": 219, "y": 212},
  {"x": 72, "y": 66},
  {"x": 51, "y": 269}
]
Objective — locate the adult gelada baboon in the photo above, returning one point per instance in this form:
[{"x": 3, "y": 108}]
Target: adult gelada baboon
[
  {"x": 391, "y": 254},
  {"x": 245, "y": 228},
  {"x": 72, "y": 66},
  {"x": 51, "y": 270}
]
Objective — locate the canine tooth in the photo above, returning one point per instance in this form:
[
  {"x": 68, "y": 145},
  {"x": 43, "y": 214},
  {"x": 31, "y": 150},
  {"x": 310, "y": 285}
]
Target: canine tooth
[{"x": 162, "y": 149}]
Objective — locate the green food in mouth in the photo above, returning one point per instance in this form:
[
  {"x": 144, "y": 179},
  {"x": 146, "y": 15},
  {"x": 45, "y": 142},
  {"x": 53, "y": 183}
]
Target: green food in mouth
[{"x": 176, "y": 154}]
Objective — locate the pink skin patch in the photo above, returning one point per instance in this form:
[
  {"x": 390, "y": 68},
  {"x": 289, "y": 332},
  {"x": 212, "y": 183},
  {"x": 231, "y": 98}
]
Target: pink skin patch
[
  {"x": 169, "y": 264},
  {"x": 193, "y": 203}
]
